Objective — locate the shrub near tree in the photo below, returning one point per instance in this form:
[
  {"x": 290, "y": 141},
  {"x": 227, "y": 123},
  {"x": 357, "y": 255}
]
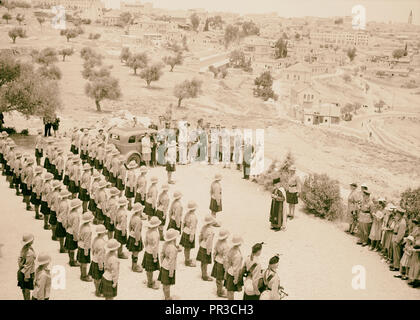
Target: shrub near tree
[
  {"x": 187, "y": 90},
  {"x": 125, "y": 54},
  {"x": 321, "y": 196},
  {"x": 138, "y": 61},
  {"x": 264, "y": 85},
  {"x": 17, "y": 33},
  {"x": 410, "y": 201},
  {"x": 152, "y": 73},
  {"x": 69, "y": 34},
  {"x": 7, "y": 17},
  {"x": 172, "y": 61},
  {"x": 51, "y": 72},
  {"x": 66, "y": 52}
]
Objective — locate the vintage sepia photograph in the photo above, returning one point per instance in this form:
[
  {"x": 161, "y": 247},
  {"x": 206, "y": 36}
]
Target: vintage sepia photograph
[{"x": 209, "y": 150}]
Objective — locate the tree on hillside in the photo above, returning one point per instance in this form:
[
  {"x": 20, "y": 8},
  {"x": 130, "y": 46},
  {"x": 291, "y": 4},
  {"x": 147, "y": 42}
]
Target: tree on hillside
[
  {"x": 379, "y": 105},
  {"x": 87, "y": 52},
  {"x": 69, "y": 34},
  {"x": 398, "y": 53},
  {"x": 173, "y": 46},
  {"x": 94, "y": 72},
  {"x": 187, "y": 90},
  {"x": 249, "y": 28},
  {"x": 231, "y": 35},
  {"x": 125, "y": 20},
  {"x": 20, "y": 18},
  {"x": 41, "y": 20},
  {"x": 138, "y": 60},
  {"x": 102, "y": 88},
  {"x": 50, "y": 72},
  {"x": 92, "y": 61},
  {"x": 125, "y": 54},
  {"x": 152, "y": 73},
  {"x": 66, "y": 52},
  {"x": 237, "y": 59},
  {"x": 9, "y": 5},
  {"x": 216, "y": 22},
  {"x": 280, "y": 49},
  {"x": 206, "y": 25},
  {"x": 351, "y": 53},
  {"x": 172, "y": 61},
  {"x": 7, "y": 17},
  {"x": 46, "y": 56},
  {"x": 10, "y": 68},
  {"x": 195, "y": 21},
  {"x": 264, "y": 85},
  {"x": 17, "y": 32}
]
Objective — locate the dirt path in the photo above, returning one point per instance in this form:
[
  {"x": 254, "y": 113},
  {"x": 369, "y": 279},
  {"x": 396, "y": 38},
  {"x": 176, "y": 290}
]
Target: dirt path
[{"x": 316, "y": 262}]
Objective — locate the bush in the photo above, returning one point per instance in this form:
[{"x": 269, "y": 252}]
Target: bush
[
  {"x": 321, "y": 196},
  {"x": 410, "y": 201},
  {"x": 9, "y": 130},
  {"x": 24, "y": 132},
  {"x": 277, "y": 169}
]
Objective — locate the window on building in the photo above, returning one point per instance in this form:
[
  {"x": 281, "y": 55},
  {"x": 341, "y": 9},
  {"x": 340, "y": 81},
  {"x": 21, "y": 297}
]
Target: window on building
[
  {"x": 132, "y": 139},
  {"x": 304, "y": 96},
  {"x": 312, "y": 97}
]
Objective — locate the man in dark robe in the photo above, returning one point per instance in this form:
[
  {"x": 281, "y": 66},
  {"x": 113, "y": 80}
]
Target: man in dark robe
[{"x": 276, "y": 211}]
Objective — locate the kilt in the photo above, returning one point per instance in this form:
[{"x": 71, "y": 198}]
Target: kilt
[
  {"x": 230, "y": 286},
  {"x": 218, "y": 271},
  {"x": 172, "y": 224},
  {"x": 105, "y": 172},
  {"x": 185, "y": 241},
  {"x": 129, "y": 194},
  {"x": 70, "y": 244},
  {"x": 83, "y": 155},
  {"x": 1, "y": 158},
  {"x": 120, "y": 185},
  {"x": 34, "y": 200},
  {"x": 25, "y": 190},
  {"x": 119, "y": 237},
  {"x": 99, "y": 214},
  {"x": 58, "y": 176},
  {"x": 138, "y": 198},
  {"x": 148, "y": 264},
  {"x": 170, "y": 167},
  {"x": 28, "y": 284},
  {"x": 253, "y": 297},
  {"x": 53, "y": 218},
  {"x": 164, "y": 277},
  {"x": 106, "y": 288},
  {"x": 203, "y": 256},
  {"x": 98, "y": 165},
  {"x": 53, "y": 169},
  {"x": 60, "y": 232},
  {"x": 92, "y": 206},
  {"x": 47, "y": 164},
  {"x": 16, "y": 179},
  {"x": 72, "y": 187},
  {"x": 73, "y": 149},
  {"x": 291, "y": 197},
  {"x": 38, "y": 154},
  {"x": 214, "y": 207},
  {"x": 91, "y": 161},
  {"x": 66, "y": 180},
  {"x": 149, "y": 210},
  {"x": 94, "y": 271},
  {"x": 44, "y": 208},
  {"x": 107, "y": 223},
  {"x": 132, "y": 247},
  {"x": 81, "y": 257},
  {"x": 83, "y": 195},
  {"x": 159, "y": 214},
  {"x": 7, "y": 169},
  {"x": 112, "y": 178}
]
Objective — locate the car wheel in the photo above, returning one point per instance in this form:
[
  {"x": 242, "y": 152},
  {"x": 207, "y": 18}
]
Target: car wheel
[{"x": 135, "y": 157}]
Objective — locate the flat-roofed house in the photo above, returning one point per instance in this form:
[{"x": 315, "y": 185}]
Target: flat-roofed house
[{"x": 326, "y": 114}]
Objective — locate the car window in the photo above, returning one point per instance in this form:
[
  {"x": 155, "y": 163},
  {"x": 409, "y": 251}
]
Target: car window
[
  {"x": 114, "y": 136},
  {"x": 132, "y": 139}
]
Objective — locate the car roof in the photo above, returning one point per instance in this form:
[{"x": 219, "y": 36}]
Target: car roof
[{"x": 128, "y": 130}]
